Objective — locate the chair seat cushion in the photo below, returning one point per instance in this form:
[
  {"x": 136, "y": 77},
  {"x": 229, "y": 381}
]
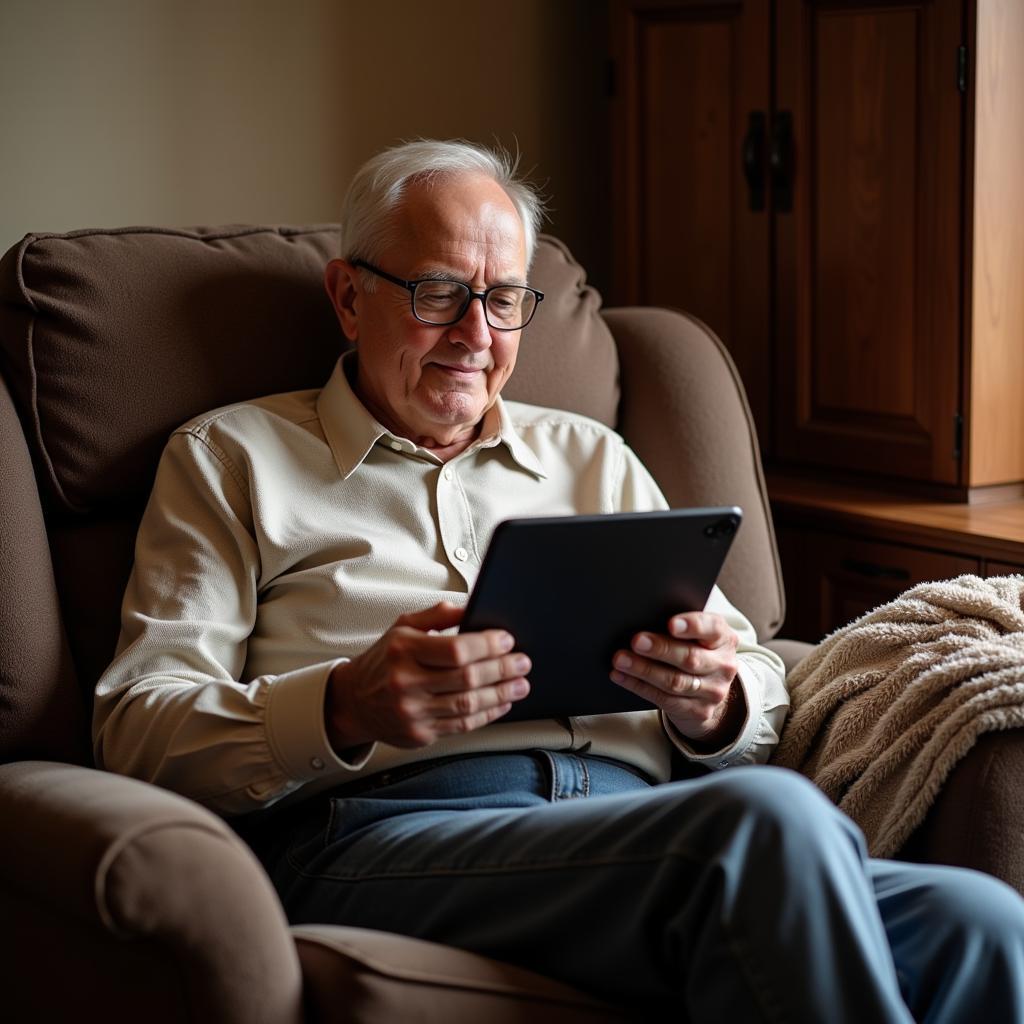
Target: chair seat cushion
[{"x": 357, "y": 975}]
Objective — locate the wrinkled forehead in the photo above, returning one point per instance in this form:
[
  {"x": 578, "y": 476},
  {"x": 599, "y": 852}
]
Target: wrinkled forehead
[{"x": 462, "y": 218}]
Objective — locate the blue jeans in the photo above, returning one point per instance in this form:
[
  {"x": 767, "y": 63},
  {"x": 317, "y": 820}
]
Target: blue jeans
[{"x": 743, "y": 895}]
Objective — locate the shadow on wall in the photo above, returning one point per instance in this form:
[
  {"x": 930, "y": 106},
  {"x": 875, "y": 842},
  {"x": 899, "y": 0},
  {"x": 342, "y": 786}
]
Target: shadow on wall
[
  {"x": 185, "y": 113},
  {"x": 532, "y": 77}
]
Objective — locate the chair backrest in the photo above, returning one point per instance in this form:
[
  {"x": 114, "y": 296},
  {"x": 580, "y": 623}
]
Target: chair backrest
[{"x": 111, "y": 339}]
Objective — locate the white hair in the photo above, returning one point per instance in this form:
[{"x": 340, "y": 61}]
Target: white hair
[{"x": 381, "y": 182}]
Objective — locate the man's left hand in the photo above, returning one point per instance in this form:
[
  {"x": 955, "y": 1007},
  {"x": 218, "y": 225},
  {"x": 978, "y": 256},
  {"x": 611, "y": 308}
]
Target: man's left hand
[{"x": 690, "y": 673}]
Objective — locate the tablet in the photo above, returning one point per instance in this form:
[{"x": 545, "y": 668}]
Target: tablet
[{"x": 572, "y": 590}]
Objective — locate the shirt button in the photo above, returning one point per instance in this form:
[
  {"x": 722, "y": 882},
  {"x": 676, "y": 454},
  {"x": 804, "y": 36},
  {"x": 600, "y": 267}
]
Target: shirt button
[
  {"x": 316, "y": 763},
  {"x": 396, "y": 445},
  {"x": 723, "y": 764},
  {"x": 447, "y": 474},
  {"x": 461, "y": 554}
]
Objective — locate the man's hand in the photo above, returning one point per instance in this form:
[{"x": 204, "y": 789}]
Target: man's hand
[
  {"x": 690, "y": 674},
  {"x": 414, "y": 686}
]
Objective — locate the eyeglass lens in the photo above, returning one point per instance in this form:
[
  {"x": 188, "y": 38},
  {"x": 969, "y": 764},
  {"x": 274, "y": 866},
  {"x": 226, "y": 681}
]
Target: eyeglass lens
[{"x": 507, "y": 307}]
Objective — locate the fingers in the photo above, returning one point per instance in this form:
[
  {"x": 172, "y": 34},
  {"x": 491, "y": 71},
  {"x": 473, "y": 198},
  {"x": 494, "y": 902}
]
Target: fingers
[
  {"x": 694, "y": 665},
  {"x": 460, "y": 682},
  {"x": 459, "y": 650},
  {"x": 706, "y": 628},
  {"x": 479, "y": 674},
  {"x": 683, "y": 656},
  {"x": 442, "y": 615},
  {"x": 664, "y": 678},
  {"x": 463, "y": 708}
]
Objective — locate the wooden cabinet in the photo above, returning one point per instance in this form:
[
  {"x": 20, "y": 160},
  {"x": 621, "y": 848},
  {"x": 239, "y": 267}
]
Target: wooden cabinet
[
  {"x": 837, "y": 188},
  {"x": 692, "y": 83},
  {"x": 832, "y": 578},
  {"x": 845, "y": 550}
]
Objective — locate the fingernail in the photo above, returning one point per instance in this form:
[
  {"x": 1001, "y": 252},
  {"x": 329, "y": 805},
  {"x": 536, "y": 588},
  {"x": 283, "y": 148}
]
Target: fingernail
[
  {"x": 623, "y": 661},
  {"x": 642, "y": 643},
  {"x": 520, "y": 688},
  {"x": 521, "y": 663},
  {"x": 506, "y": 641}
]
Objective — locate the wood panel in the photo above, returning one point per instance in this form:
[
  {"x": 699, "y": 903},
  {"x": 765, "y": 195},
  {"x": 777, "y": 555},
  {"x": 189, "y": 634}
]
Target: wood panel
[
  {"x": 994, "y": 568},
  {"x": 996, "y": 287},
  {"x": 868, "y": 264},
  {"x": 987, "y": 530},
  {"x": 688, "y": 75},
  {"x": 832, "y": 579},
  {"x": 865, "y": 97}
]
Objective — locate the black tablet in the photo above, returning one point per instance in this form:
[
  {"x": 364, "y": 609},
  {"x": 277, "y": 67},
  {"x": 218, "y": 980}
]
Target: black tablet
[{"x": 574, "y": 589}]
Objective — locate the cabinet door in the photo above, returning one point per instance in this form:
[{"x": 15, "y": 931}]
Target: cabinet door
[
  {"x": 994, "y": 568},
  {"x": 868, "y": 263},
  {"x": 832, "y": 579},
  {"x": 692, "y": 85}
]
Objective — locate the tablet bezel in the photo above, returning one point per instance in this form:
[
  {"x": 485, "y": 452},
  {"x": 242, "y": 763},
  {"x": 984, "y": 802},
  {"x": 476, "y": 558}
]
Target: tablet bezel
[{"x": 544, "y": 570}]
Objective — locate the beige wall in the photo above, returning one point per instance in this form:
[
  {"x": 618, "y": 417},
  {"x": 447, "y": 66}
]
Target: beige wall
[{"x": 182, "y": 112}]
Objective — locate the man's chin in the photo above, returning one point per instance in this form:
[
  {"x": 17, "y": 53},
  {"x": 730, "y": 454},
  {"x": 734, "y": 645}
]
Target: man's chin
[{"x": 455, "y": 409}]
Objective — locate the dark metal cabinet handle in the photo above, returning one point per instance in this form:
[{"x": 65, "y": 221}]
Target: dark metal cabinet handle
[
  {"x": 781, "y": 161},
  {"x": 753, "y": 158}
]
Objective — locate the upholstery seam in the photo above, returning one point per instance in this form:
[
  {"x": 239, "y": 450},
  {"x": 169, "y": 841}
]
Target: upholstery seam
[
  {"x": 239, "y": 231},
  {"x": 113, "y": 853},
  {"x": 26, "y": 294},
  {"x": 37, "y": 419}
]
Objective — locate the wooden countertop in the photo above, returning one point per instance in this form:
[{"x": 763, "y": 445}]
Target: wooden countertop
[{"x": 994, "y": 530}]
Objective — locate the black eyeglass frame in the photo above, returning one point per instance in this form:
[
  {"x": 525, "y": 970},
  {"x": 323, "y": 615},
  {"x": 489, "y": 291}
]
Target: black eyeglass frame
[{"x": 410, "y": 287}]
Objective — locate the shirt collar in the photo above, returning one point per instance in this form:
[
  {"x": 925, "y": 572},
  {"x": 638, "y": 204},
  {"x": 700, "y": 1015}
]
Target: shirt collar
[
  {"x": 351, "y": 431},
  {"x": 498, "y": 429},
  {"x": 348, "y": 426}
]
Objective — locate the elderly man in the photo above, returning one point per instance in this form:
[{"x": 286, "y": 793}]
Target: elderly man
[{"x": 288, "y": 657}]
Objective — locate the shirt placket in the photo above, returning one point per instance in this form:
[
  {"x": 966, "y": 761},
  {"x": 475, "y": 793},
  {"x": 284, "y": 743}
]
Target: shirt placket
[{"x": 455, "y": 526}]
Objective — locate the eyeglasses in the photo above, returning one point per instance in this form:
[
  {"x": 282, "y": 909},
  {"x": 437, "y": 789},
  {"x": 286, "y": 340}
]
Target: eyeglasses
[{"x": 507, "y": 307}]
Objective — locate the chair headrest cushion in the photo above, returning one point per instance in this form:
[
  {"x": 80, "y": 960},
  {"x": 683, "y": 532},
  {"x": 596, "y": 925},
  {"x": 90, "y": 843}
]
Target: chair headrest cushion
[{"x": 110, "y": 339}]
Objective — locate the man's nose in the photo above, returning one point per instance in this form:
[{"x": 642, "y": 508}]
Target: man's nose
[{"x": 472, "y": 330}]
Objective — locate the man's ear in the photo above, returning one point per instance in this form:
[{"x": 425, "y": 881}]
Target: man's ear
[{"x": 342, "y": 282}]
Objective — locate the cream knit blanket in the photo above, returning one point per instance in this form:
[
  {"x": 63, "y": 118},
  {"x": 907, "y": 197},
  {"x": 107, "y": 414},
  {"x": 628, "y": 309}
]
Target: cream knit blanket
[{"x": 884, "y": 708}]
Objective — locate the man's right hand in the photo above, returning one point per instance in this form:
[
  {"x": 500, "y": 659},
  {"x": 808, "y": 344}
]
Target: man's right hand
[{"x": 414, "y": 686}]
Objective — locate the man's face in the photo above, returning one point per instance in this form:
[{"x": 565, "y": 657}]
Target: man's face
[{"x": 434, "y": 384}]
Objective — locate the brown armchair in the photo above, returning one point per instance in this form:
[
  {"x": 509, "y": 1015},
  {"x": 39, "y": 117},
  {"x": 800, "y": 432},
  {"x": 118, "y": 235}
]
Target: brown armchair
[{"x": 132, "y": 903}]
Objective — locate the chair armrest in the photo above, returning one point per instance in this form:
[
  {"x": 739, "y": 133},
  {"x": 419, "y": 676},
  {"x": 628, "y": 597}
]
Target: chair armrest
[
  {"x": 137, "y": 898},
  {"x": 792, "y": 652},
  {"x": 977, "y": 820}
]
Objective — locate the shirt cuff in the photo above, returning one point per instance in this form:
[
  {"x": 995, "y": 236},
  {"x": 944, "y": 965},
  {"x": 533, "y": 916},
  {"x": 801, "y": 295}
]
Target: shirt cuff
[
  {"x": 735, "y": 751},
  {"x": 296, "y": 730}
]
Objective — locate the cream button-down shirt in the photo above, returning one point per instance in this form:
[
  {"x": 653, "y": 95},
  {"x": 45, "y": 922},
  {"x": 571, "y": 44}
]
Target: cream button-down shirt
[{"x": 286, "y": 534}]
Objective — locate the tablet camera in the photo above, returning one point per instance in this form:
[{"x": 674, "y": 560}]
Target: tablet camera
[{"x": 722, "y": 529}]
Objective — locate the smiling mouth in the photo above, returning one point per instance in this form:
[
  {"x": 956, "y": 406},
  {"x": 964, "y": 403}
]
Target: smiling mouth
[{"x": 460, "y": 370}]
